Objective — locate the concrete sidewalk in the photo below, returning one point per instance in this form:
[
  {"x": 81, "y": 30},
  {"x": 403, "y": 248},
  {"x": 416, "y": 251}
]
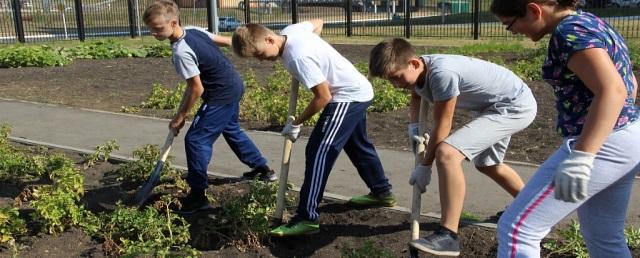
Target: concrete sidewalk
[{"x": 85, "y": 129}]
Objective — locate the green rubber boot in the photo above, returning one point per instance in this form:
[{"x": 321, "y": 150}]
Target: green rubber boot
[
  {"x": 384, "y": 200},
  {"x": 296, "y": 227}
]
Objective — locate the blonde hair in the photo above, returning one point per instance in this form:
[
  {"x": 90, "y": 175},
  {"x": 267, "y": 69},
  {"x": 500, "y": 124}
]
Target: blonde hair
[
  {"x": 246, "y": 37},
  {"x": 390, "y": 56},
  {"x": 165, "y": 8}
]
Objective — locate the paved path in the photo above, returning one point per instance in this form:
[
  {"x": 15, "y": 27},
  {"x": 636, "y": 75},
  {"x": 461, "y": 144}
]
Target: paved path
[{"x": 85, "y": 129}]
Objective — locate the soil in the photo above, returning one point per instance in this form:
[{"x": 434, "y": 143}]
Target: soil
[
  {"x": 111, "y": 84},
  {"x": 343, "y": 227}
]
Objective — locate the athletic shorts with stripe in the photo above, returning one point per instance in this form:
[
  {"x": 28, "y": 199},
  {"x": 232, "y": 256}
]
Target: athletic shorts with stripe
[
  {"x": 601, "y": 215},
  {"x": 342, "y": 125}
]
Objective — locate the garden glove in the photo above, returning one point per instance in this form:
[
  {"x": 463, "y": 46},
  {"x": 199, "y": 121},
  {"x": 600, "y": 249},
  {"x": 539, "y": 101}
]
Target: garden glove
[
  {"x": 412, "y": 131},
  {"x": 421, "y": 177},
  {"x": 572, "y": 176},
  {"x": 290, "y": 130}
]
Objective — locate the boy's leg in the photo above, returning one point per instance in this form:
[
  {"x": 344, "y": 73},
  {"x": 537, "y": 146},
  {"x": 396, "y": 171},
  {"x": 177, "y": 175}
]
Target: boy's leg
[
  {"x": 364, "y": 157},
  {"x": 451, "y": 183},
  {"x": 489, "y": 162},
  {"x": 240, "y": 143},
  {"x": 207, "y": 125},
  {"x": 333, "y": 129}
]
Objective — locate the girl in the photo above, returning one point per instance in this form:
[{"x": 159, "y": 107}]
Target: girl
[{"x": 589, "y": 68}]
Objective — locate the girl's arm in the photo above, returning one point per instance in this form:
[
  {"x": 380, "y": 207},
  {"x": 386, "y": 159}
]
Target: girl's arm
[{"x": 595, "y": 68}]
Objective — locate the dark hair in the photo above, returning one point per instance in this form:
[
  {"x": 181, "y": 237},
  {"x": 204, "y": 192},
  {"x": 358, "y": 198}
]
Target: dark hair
[
  {"x": 389, "y": 56},
  {"x": 518, "y": 8}
]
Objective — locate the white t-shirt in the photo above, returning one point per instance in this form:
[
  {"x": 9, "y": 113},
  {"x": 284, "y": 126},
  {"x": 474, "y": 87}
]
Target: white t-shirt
[{"x": 311, "y": 60}]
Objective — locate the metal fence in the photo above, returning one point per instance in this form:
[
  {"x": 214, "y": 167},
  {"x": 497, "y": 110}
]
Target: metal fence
[{"x": 45, "y": 20}]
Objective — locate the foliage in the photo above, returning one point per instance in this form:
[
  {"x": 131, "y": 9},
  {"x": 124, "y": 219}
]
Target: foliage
[
  {"x": 129, "y": 232},
  {"x": 146, "y": 158},
  {"x": 270, "y": 102},
  {"x": 469, "y": 216},
  {"x": 246, "y": 219},
  {"x": 633, "y": 237},
  {"x": 385, "y": 96},
  {"x": 39, "y": 56},
  {"x": 11, "y": 226},
  {"x": 102, "y": 152},
  {"x": 571, "y": 242},
  {"x": 366, "y": 250},
  {"x": 163, "y": 98},
  {"x": 157, "y": 50},
  {"x": 57, "y": 206},
  {"x": 102, "y": 49},
  {"x": 5, "y": 131}
]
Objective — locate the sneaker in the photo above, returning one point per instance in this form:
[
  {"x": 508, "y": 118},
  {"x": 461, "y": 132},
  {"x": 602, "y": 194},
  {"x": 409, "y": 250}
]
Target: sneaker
[
  {"x": 192, "y": 203},
  {"x": 386, "y": 200},
  {"x": 296, "y": 227},
  {"x": 263, "y": 173},
  {"x": 440, "y": 242}
]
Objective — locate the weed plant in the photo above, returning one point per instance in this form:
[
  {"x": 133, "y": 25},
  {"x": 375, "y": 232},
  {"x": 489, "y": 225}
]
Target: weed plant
[
  {"x": 101, "y": 153},
  {"x": 366, "y": 250},
  {"x": 11, "y": 226},
  {"x": 38, "y": 56}
]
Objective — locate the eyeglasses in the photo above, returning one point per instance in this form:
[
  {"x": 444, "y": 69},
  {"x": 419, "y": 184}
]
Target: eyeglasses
[{"x": 511, "y": 24}]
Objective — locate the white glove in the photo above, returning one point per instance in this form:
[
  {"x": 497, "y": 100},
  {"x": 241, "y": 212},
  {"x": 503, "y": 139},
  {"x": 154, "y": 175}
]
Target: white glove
[
  {"x": 572, "y": 176},
  {"x": 412, "y": 131},
  {"x": 421, "y": 177},
  {"x": 290, "y": 130}
]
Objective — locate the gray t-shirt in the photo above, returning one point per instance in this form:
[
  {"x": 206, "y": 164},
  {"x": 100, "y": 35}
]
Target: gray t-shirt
[{"x": 478, "y": 84}]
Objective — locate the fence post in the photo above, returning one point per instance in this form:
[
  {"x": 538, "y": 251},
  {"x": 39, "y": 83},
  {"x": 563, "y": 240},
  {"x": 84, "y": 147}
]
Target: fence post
[
  {"x": 294, "y": 11},
  {"x": 132, "y": 18},
  {"x": 407, "y": 19},
  {"x": 476, "y": 19},
  {"x": 17, "y": 17},
  {"x": 347, "y": 8},
  {"x": 212, "y": 16},
  {"x": 247, "y": 11},
  {"x": 80, "y": 19}
]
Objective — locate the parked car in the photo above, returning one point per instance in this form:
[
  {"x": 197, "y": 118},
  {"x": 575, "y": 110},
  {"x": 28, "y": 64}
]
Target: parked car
[
  {"x": 228, "y": 23},
  {"x": 625, "y": 3}
]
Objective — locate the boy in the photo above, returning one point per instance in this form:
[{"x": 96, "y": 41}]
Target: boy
[
  {"x": 342, "y": 93},
  {"x": 212, "y": 77},
  {"x": 503, "y": 103}
]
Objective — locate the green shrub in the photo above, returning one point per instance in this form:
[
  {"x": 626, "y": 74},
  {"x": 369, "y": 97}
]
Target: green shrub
[
  {"x": 11, "y": 226},
  {"x": 367, "y": 250},
  {"x": 103, "y": 49},
  {"x": 270, "y": 103},
  {"x": 129, "y": 232},
  {"x": 157, "y": 50},
  {"x": 102, "y": 152},
  {"x": 385, "y": 96},
  {"x": 571, "y": 242},
  {"x": 38, "y": 56},
  {"x": 146, "y": 158},
  {"x": 246, "y": 219}
]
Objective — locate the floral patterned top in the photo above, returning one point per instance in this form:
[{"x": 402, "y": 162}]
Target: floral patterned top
[{"x": 578, "y": 31}]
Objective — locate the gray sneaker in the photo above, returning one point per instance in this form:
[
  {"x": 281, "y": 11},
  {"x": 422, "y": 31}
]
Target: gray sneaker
[{"x": 438, "y": 243}]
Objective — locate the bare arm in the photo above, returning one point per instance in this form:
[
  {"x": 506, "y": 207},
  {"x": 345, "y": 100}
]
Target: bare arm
[
  {"x": 189, "y": 98},
  {"x": 317, "y": 25},
  {"x": 222, "y": 41},
  {"x": 321, "y": 97},
  {"x": 595, "y": 69},
  {"x": 443, "y": 120}
]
